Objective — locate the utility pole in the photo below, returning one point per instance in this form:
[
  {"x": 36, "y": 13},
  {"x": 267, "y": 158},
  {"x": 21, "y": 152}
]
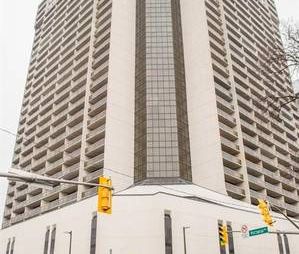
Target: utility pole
[
  {"x": 70, "y": 233},
  {"x": 32, "y": 178},
  {"x": 184, "y": 235},
  {"x": 287, "y": 217}
]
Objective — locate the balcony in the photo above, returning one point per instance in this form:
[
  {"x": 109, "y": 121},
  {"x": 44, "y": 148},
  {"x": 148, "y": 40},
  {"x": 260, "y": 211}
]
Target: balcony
[
  {"x": 90, "y": 192},
  {"x": 20, "y": 205},
  {"x": 223, "y": 93},
  {"x": 52, "y": 192},
  {"x": 292, "y": 208},
  {"x": 257, "y": 195},
  {"x": 229, "y": 146},
  {"x": 5, "y": 223},
  {"x": 98, "y": 95},
  {"x": 9, "y": 200},
  {"x": 75, "y": 129},
  {"x": 228, "y": 132},
  {"x": 7, "y": 213},
  {"x": 97, "y": 120},
  {"x": 290, "y": 195},
  {"x": 233, "y": 176},
  {"x": 93, "y": 176},
  {"x": 33, "y": 212},
  {"x": 97, "y": 107},
  {"x": 35, "y": 199},
  {"x": 252, "y": 154},
  {"x": 256, "y": 183},
  {"x": 68, "y": 199},
  {"x": 97, "y": 147},
  {"x": 17, "y": 218},
  {"x": 55, "y": 165},
  {"x": 226, "y": 118},
  {"x": 95, "y": 162},
  {"x": 276, "y": 202},
  {"x": 275, "y": 190},
  {"x": 231, "y": 161},
  {"x": 235, "y": 191},
  {"x": 50, "y": 206}
]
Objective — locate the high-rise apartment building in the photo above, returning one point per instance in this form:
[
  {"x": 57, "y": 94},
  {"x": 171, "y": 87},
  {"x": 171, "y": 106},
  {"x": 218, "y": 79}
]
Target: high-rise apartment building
[{"x": 155, "y": 92}]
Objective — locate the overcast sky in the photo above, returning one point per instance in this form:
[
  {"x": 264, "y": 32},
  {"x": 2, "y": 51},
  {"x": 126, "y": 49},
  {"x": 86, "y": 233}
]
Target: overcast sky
[{"x": 16, "y": 26}]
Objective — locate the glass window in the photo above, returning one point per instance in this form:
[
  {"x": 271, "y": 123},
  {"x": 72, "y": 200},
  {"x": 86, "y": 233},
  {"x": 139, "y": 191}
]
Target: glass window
[
  {"x": 8, "y": 247},
  {"x": 168, "y": 234},
  {"x": 93, "y": 236},
  {"x": 12, "y": 246},
  {"x": 286, "y": 243},
  {"x": 46, "y": 246},
  {"x": 231, "y": 247},
  {"x": 280, "y": 246},
  {"x": 53, "y": 235}
]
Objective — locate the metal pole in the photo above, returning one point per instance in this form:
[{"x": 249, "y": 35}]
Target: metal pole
[
  {"x": 48, "y": 180},
  {"x": 287, "y": 217},
  {"x": 184, "y": 235}
]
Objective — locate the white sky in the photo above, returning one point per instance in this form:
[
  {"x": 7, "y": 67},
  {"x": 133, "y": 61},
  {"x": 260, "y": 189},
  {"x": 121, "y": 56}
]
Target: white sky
[{"x": 17, "y": 30}]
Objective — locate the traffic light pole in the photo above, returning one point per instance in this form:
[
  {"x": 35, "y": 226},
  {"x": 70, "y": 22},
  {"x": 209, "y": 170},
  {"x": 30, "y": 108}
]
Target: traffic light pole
[
  {"x": 287, "y": 217},
  {"x": 47, "y": 181}
]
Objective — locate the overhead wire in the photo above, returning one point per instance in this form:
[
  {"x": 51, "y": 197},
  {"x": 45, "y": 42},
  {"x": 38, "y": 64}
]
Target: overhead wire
[{"x": 219, "y": 202}]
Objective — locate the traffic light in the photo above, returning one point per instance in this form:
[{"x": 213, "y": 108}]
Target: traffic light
[
  {"x": 223, "y": 235},
  {"x": 105, "y": 195},
  {"x": 264, "y": 210}
]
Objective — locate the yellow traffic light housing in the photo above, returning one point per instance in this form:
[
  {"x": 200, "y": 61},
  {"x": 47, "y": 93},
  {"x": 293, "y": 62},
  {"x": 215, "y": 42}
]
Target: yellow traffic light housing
[
  {"x": 223, "y": 235},
  {"x": 264, "y": 210},
  {"x": 105, "y": 195}
]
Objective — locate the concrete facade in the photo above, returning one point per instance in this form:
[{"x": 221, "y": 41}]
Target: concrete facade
[
  {"x": 137, "y": 224},
  {"x": 77, "y": 123}
]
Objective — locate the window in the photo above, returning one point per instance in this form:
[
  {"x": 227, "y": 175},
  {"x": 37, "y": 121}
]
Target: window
[
  {"x": 168, "y": 233},
  {"x": 53, "y": 235},
  {"x": 280, "y": 246},
  {"x": 8, "y": 246},
  {"x": 93, "y": 235},
  {"x": 46, "y": 246},
  {"x": 286, "y": 243},
  {"x": 231, "y": 247},
  {"x": 12, "y": 246}
]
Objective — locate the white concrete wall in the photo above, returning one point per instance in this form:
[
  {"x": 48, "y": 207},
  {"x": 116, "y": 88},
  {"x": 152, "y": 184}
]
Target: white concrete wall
[
  {"x": 205, "y": 143},
  {"x": 137, "y": 226},
  {"x": 119, "y": 140}
]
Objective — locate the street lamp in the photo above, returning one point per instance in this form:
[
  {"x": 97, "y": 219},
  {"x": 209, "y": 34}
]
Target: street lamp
[
  {"x": 184, "y": 234},
  {"x": 70, "y": 233}
]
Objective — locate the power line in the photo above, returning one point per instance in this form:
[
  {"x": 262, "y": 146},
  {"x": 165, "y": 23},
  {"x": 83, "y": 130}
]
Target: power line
[
  {"x": 222, "y": 203},
  {"x": 68, "y": 155}
]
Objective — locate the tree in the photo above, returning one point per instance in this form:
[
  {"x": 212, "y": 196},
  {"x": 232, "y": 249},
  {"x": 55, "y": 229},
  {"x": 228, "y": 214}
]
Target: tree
[{"x": 283, "y": 61}]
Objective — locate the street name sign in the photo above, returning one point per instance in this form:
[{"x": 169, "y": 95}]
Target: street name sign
[{"x": 258, "y": 231}]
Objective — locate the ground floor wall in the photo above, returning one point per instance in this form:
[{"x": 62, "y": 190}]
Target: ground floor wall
[{"x": 137, "y": 226}]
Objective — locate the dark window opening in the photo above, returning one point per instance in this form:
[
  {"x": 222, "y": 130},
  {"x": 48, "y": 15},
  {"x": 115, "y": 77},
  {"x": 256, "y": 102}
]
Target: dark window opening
[
  {"x": 46, "y": 246},
  {"x": 280, "y": 246},
  {"x": 286, "y": 243},
  {"x": 12, "y": 246},
  {"x": 8, "y": 247},
  {"x": 168, "y": 234},
  {"x": 53, "y": 235},
  {"x": 231, "y": 247},
  {"x": 93, "y": 236}
]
